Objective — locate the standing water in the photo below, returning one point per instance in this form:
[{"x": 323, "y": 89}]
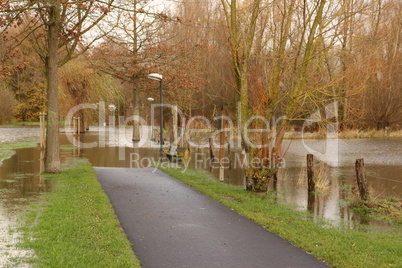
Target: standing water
[
  {"x": 383, "y": 165},
  {"x": 21, "y": 183},
  {"x": 383, "y": 160}
]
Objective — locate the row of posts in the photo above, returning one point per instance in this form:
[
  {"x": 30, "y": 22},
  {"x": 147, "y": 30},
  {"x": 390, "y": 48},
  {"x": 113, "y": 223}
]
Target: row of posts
[
  {"x": 42, "y": 131},
  {"x": 360, "y": 177},
  {"x": 76, "y": 125},
  {"x": 77, "y": 131}
]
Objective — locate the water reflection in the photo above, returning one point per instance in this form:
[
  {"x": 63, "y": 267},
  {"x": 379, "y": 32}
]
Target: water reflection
[{"x": 20, "y": 177}]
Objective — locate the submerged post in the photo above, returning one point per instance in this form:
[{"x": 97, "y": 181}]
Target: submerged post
[
  {"x": 42, "y": 129},
  {"x": 74, "y": 125},
  {"x": 78, "y": 125},
  {"x": 310, "y": 173},
  {"x": 361, "y": 179}
]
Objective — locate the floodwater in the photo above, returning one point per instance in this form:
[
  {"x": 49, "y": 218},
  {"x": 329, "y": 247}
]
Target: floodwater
[
  {"x": 20, "y": 182},
  {"x": 383, "y": 164}
]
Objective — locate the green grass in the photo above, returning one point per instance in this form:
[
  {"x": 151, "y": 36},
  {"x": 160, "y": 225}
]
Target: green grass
[
  {"x": 347, "y": 134},
  {"x": 20, "y": 124},
  {"x": 27, "y": 124},
  {"x": 7, "y": 149},
  {"x": 74, "y": 224},
  {"x": 387, "y": 209},
  {"x": 339, "y": 247},
  {"x": 68, "y": 147}
]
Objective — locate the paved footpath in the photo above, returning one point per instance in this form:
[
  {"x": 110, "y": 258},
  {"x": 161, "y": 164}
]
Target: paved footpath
[{"x": 172, "y": 225}]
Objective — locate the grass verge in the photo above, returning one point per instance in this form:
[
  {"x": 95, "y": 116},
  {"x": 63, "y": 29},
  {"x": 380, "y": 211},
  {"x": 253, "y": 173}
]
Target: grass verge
[
  {"x": 74, "y": 224},
  {"x": 346, "y": 134},
  {"x": 20, "y": 124},
  {"x": 27, "y": 124},
  {"x": 339, "y": 247}
]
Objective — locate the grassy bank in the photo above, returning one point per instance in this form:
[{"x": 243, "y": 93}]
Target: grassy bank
[
  {"x": 339, "y": 247},
  {"x": 388, "y": 209},
  {"x": 347, "y": 134},
  {"x": 27, "y": 124},
  {"x": 20, "y": 124},
  {"x": 74, "y": 224},
  {"x": 367, "y": 134}
]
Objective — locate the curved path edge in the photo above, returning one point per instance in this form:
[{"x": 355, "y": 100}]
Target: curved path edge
[{"x": 172, "y": 225}]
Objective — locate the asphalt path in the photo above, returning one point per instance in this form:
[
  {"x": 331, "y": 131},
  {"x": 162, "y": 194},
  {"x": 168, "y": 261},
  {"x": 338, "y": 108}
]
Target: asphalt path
[{"x": 172, "y": 225}]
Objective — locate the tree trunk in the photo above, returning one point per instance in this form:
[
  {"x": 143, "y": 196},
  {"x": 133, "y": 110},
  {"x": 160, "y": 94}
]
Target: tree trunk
[
  {"x": 136, "y": 114},
  {"x": 222, "y": 145},
  {"x": 241, "y": 42},
  {"x": 52, "y": 154},
  {"x": 136, "y": 104},
  {"x": 175, "y": 125}
]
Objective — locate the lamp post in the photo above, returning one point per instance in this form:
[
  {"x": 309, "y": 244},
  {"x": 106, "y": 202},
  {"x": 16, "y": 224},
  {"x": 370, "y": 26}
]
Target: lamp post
[
  {"x": 152, "y": 121},
  {"x": 112, "y": 108},
  {"x": 159, "y": 77},
  {"x": 112, "y": 123}
]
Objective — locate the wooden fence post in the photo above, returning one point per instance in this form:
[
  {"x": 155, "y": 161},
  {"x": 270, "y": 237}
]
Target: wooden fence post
[
  {"x": 74, "y": 125},
  {"x": 310, "y": 173},
  {"x": 78, "y": 125},
  {"x": 361, "y": 179},
  {"x": 42, "y": 129}
]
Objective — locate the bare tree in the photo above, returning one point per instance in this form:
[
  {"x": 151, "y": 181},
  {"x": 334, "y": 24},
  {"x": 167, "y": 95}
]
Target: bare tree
[
  {"x": 290, "y": 69},
  {"x": 65, "y": 25},
  {"x": 241, "y": 24}
]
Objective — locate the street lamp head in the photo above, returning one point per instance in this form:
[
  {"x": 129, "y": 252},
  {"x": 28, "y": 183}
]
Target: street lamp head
[
  {"x": 150, "y": 99},
  {"x": 112, "y": 107},
  {"x": 155, "y": 76}
]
